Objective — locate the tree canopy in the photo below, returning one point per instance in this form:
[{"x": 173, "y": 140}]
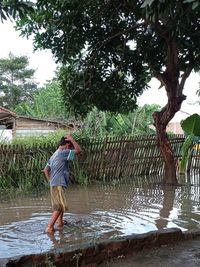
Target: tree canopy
[
  {"x": 16, "y": 81},
  {"x": 120, "y": 45}
]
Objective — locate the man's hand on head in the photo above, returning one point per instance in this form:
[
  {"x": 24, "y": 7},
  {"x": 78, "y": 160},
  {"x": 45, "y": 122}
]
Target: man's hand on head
[{"x": 69, "y": 138}]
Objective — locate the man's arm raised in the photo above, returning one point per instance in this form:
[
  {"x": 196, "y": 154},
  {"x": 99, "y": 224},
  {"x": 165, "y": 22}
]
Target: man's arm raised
[{"x": 76, "y": 146}]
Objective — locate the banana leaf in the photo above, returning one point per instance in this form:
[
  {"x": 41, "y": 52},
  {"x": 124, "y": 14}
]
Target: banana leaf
[
  {"x": 191, "y": 125},
  {"x": 186, "y": 151}
]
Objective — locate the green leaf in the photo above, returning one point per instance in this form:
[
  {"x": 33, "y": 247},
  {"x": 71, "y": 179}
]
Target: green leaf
[
  {"x": 191, "y": 125},
  {"x": 186, "y": 149}
]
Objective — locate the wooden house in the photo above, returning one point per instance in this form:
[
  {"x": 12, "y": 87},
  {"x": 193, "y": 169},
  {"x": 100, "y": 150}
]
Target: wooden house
[{"x": 29, "y": 126}]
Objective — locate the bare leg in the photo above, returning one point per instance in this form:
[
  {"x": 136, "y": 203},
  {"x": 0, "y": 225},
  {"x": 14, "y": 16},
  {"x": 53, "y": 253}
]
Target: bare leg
[
  {"x": 60, "y": 219},
  {"x": 54, "y": 217}
]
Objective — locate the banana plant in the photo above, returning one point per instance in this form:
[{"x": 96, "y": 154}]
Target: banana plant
[{"x": 191, "y": 127}]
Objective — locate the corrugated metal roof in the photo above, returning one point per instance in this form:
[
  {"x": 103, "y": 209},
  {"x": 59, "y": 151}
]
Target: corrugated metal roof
[
  {"x": 7, "y": 114},
  {"x": 44, "y": 120},
  {"x": 6, "y": 111}
]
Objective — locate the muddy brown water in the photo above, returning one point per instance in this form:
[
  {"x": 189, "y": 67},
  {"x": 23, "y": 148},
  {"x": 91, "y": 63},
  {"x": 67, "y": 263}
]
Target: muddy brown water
[{"x": 97, "y": 212}]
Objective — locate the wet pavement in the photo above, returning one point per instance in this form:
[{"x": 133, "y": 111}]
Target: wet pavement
[{"x": 182, "y": 254}]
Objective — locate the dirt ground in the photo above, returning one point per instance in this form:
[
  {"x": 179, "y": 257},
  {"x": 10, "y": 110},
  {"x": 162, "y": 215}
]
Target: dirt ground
[{"x": 182, "y": 254}]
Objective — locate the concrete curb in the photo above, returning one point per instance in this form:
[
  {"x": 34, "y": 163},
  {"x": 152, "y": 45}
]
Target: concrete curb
[{"x": 93, "y": 254}]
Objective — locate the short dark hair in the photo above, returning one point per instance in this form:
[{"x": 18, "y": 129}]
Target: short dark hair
[{"x": 64, "y": 141}]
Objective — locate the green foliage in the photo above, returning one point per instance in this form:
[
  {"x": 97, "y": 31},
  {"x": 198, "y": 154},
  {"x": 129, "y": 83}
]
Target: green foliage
[
  {"x": 24, "y": 171},
  {"x": 47, "y": 103},
  {"x": 80, "y": 177},
  {"x": 155, "y": 9},
  {"x": 85, "y": 89},
  {"x": 186, "y": 152},
  {"x": 10, "y": 9},
  {"x": 22, "y": 167},
  {"x": 99, "y": 123},
  {"x": 16, "y": 81},
  {"x": 52, "y": 138},
  {"x": 110, "y": 80},
  {"x": 191, "y": 126},
  {"x": 117, "y": 46}
]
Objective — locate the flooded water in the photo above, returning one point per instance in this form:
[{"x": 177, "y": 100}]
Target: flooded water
[{"x": 97, "y": 212}]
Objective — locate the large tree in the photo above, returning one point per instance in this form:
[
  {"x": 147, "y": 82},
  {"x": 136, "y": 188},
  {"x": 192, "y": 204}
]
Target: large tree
[
  {"x": 16, "y": 81},
  {"x": 119, "y": 45}
]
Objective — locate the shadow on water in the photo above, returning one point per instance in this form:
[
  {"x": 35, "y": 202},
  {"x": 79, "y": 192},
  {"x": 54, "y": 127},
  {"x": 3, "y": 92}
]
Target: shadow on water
[{"x": 98, "y": 212}]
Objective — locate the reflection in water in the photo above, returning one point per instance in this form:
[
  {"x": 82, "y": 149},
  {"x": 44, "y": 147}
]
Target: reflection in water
[
  {"x": 168, "y": 202},
  {"x": 97, "y": 212}
]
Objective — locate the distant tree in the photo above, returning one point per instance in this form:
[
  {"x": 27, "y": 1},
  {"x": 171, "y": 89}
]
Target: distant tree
[
  {"x": 47, "y": 102},
  {"x": 120, "y": 45},
  {"x": 16, "y": 81}
]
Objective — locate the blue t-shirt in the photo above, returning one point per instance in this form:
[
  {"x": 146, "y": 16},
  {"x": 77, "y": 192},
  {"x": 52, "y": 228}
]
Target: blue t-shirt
[{"x": 58, "y": 167}]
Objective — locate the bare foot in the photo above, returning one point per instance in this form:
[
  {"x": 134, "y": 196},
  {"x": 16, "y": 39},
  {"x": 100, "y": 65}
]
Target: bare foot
[{"x": 49, "y": 230}]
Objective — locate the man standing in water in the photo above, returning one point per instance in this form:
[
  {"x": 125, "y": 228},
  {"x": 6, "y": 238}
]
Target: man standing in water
[{"x": 57, "y": 173}]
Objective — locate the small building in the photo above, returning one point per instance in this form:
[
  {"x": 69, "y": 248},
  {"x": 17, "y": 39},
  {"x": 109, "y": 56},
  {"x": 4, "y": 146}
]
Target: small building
[
  {"x": 174, "y": 127},
  {"x": 28, "y": 126}
]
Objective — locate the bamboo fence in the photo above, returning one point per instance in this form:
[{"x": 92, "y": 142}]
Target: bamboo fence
[
  {"x": 21, "y": 166},
  {"x": 112, "y": 158},
  {"x": 108, "y": 158}
]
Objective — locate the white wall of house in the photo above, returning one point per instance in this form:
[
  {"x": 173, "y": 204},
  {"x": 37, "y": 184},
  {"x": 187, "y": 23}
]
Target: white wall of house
[
  {"x": 6, "y": 135},
  {"x": 32, "y": 132}
]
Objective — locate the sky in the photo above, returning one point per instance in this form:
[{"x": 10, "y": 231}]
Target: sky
[
  {"x": 45, "y": 66},
  {"x": 158, "y": 96},
  {"x": 42, "y": 61}
]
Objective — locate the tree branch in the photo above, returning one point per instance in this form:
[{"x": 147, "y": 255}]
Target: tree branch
[
  {"x": 184, "y": 76},
  {"x": 161, "y": 78}
]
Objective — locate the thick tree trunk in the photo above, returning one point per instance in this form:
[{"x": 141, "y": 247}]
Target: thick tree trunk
[
  {"x": 161, "y": 120},
  {"x": 166, "y": 150},
  {"x": 173, "y": 83}
]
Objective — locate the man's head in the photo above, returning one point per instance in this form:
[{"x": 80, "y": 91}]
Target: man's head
[{"x": 64, "y": 142}]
